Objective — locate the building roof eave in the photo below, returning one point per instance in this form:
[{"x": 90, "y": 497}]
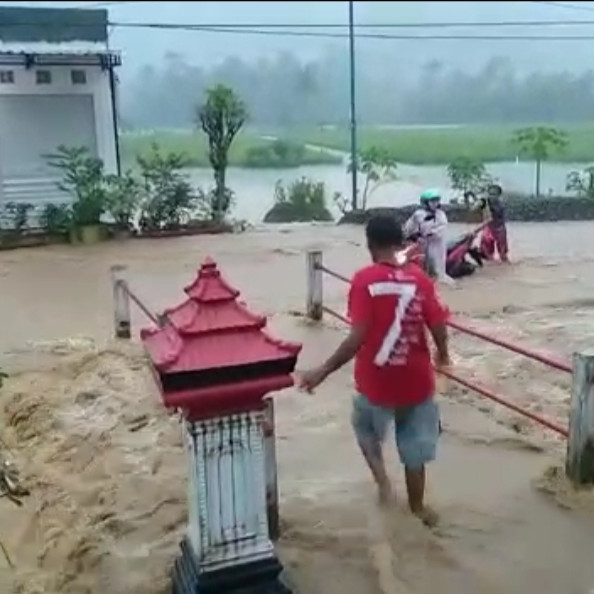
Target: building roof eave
[{"x": 103, "y": 58}]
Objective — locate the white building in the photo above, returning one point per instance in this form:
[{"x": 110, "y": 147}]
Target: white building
[{"x": 57, "y": 87}]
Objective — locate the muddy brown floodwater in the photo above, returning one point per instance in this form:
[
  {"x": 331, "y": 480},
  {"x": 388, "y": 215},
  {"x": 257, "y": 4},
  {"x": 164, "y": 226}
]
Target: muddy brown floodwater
[{"x": 105, "y": 465}]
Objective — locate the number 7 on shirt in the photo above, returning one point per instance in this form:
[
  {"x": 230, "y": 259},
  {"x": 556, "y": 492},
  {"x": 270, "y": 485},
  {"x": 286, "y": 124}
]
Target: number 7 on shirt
[{"x": 406, "y": 293}]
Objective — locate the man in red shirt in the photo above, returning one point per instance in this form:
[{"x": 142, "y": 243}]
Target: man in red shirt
[{"x": 390, "y": 305}]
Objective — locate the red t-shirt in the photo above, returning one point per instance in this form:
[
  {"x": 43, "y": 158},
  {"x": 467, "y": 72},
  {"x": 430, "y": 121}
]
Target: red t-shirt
[{"x": 393, "y": 366}]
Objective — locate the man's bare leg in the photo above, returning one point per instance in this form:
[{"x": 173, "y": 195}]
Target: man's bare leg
[
  {"x": 415, "y": 487},
  {"x": 372, "y": 452}
]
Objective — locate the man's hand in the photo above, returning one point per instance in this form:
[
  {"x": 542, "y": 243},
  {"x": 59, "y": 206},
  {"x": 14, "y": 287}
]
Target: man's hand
[
  {"x": 443, "y": 363},
  {"x": 443, "y": 366},
  {"x": 312, "y": 378}
]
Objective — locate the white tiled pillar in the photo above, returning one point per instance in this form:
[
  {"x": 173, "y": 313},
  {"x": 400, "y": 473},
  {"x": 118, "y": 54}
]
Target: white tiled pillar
[{"x": 227, "y": 523}]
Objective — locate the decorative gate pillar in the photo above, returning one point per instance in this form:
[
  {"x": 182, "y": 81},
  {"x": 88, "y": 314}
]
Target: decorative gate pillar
[{"x": 213, "y": 361}]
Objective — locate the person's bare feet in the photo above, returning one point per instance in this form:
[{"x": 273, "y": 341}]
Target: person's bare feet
[
  {"x": 428, "y": 516},
  {"x": 385, "y": 494}
]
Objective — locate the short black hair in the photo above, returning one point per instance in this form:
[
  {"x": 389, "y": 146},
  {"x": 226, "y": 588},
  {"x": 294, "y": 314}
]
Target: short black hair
[
  {"x": 495, "y": 188},
  {"x": 384, "y": 231}
]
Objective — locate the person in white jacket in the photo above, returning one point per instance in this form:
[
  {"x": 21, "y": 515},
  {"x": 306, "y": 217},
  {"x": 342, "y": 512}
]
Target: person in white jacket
[{"x": 428, "y": 225}]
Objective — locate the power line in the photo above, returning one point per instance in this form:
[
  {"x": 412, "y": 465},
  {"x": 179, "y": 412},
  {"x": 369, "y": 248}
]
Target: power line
[
  {"x": 428, "y": 25},
  {"x": 568, "y": 6},
  {"x": 315, "y": 26},
  {"x": 289, "y": 29},
  {"x": 556, "y": 4},
  {"x": 99, "y": 5},
  {"x": 379, "y": 36}
]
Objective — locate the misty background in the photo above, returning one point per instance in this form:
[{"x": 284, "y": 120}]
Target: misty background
[{"x": 288, "y": 80}]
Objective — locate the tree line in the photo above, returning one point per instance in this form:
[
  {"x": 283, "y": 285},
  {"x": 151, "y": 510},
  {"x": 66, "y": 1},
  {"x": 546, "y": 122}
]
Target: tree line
[{"x": 282, "y": 92}]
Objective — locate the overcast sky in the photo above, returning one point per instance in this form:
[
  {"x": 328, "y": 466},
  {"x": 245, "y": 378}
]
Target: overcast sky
[{"x": 141, "y": 46}]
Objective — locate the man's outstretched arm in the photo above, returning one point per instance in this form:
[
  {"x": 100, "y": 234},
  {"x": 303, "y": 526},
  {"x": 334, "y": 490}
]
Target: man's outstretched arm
[
  {"x": 346, "y": 350},
  {"x": 360, "y": 316}
]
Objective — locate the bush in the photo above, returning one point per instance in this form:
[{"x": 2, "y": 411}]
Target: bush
[
  {"x": 281, "y": 154},
  {"x": 17, "y": 214},
  {"x": 581, "y": 182},
  {"x": 161, "y": 197},
  {"x": 56, "y": 219},
  {"x": 169, "y": 200},
  {"x": 84, "y": 180},
  {"x": 468, "y": 175},
  {"x": 277, "y": 154},
  {"x": 124, "y": 196},
  {"x": 518, "y": 208},
  {"x": 549, "y": 208},
  {"x": 303, "y": 200}
]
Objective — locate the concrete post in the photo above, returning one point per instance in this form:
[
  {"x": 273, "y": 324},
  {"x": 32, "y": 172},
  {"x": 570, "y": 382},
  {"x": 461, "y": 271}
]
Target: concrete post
[
  {"x": 315, "y": 284},
  {"x": 579, "y": 465},
  {"x": 121, "y": 302}
]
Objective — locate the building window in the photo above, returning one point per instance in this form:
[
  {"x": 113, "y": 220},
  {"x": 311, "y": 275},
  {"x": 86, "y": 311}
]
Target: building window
[
  {"x": 7, "y": 77},
  {"x": 43, "y": 77},
  {"x": 78, "y": 77}
]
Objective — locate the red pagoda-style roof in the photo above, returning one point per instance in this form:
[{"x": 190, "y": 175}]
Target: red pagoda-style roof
[{"x": 212, "y": 331}]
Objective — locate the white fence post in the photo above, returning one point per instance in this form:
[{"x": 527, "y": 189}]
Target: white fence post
[
  {"x": 121, "y": 302},
  {"x": 315, "y": 284},
  {"x": 272, "y": 510},
  {"x": 579, "y": 465}
]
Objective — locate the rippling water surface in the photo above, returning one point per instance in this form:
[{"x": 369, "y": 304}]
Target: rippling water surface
[{"x": 108, "y": 491}]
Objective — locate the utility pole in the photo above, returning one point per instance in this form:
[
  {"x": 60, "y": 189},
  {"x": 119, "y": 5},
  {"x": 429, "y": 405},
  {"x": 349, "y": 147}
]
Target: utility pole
[{"x": 353, "y": 118}]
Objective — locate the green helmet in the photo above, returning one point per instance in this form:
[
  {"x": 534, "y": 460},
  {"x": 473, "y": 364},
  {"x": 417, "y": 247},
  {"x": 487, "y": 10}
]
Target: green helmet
[{"x": 429, "y": 195}]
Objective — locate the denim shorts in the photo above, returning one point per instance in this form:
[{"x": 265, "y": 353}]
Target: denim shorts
[{"x": 416, "y": 428}]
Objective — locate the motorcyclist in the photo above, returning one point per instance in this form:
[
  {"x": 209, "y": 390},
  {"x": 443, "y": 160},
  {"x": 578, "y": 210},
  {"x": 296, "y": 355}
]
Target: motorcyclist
[{"x": 428, "y": 225}]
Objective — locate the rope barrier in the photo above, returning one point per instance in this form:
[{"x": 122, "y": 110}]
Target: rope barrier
[
  {"x": 514, "y": 348},
  {"x": 334, "y": 274},
  {"x": 461, "y": 327},
  {"x": 336, "y": 315},
  {"x": 141, "y": 306},
  {"x": 122, "y": 296},
  {"x": 482, "y": 390}
]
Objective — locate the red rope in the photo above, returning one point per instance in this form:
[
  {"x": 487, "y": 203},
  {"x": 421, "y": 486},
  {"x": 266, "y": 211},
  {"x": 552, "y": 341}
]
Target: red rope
[
  {"x": 336, "y": 315},
  {"x": 334, "y": 274},
  {"x": 535, "y": 355},
  {"x": 143, "y": 308},
  {"x": 461, "y": 327},
  {"x": 496, "y": 398}
]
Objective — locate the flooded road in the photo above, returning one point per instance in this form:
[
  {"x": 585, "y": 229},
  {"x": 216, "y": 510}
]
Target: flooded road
[
  {"x": 62, "y": 291},
  {"x": 68, "y": 409}
]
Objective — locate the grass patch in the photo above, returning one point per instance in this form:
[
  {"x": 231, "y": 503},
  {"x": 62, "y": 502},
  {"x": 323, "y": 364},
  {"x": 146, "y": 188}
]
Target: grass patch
[
  {"x": 245, "y": 148},
  {"x": 425, "y": 146}
]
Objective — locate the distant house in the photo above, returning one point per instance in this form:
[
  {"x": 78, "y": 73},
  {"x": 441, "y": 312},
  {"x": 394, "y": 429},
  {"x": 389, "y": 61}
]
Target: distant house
[{"x": 57, "y": 86}]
